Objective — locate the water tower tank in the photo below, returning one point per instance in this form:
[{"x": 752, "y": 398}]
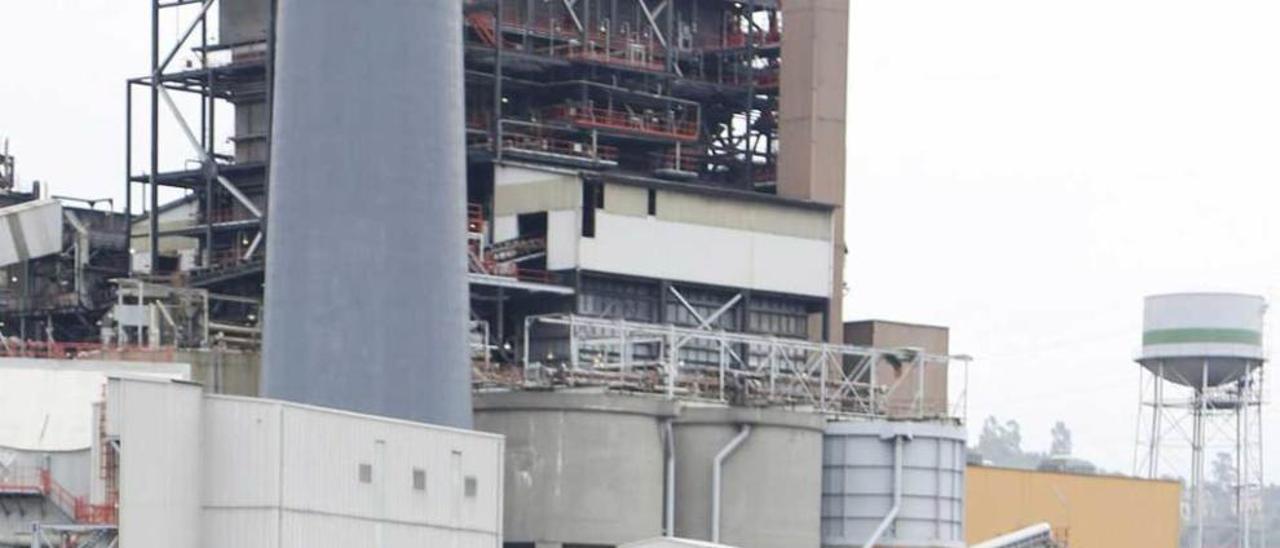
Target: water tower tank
[{"x": 1202, "y": 339}]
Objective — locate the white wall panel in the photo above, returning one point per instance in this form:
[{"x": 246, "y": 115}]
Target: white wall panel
[
  {"x": 241, "y": 527},
  {"x": 159, "y": 424},
  {"x": 706, "y": 254},
  {"x": 242, "y": 453},
  {"x": 563, "y": 231}
]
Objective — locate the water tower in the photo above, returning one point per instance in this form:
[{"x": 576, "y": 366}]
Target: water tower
[{"x": 1201, "y": 395}]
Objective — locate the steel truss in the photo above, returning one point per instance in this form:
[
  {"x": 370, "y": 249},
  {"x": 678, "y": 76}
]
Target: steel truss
[
  {"x": 1202, "y": 420},
  {"x": 751, "y": 370},
  {"x": 211, "y": 80}
]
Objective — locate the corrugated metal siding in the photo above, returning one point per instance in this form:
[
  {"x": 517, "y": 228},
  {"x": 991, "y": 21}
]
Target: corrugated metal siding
[
  {"x": 304, "y": 530},
  {"x": 858, "y": 461},
  {"x": 160, "y": 427},
  {"x": 242, "y": 453},
  {"x": 241, "y": 528},
  {"x": 324, "y": 451}
]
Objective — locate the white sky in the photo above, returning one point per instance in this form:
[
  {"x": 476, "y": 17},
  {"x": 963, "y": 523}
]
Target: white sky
[{"x": 1023, "y": 171}]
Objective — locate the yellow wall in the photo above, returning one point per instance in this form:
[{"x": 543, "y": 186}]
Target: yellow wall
[{"x": 1095, "y": 511}]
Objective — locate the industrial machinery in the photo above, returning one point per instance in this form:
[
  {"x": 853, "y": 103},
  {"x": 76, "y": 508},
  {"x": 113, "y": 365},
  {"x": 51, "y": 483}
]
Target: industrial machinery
[{"x": 1202, "y": 363}]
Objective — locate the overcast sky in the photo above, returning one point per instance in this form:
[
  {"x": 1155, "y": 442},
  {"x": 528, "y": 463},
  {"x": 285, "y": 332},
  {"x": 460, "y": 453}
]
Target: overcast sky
[{"x": 1023, "y": 171}]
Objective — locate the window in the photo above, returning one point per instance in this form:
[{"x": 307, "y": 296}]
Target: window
[
  {"x": 470, "y": 487},
  {"x": 653, "y": 202},
  {"x": 366, "y": 472},
  {"x": 592, "y": 198},
  {"x": 419, "y": 479}
]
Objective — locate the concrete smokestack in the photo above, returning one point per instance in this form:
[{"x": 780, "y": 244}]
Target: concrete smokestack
[{"x": 366, "y": 291}]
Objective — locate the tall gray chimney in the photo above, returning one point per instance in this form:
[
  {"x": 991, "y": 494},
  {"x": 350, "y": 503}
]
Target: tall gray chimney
[{"x": 366, "y": 291}]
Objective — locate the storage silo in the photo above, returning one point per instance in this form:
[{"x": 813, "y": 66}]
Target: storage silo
[
  {"x": 888, "y": 483},
  {"x": 1202, "y": 339},
  {"x": 748, "y": 477},
  {"x": 366, "y": 290},
  {"x": 580, "y": 468}
]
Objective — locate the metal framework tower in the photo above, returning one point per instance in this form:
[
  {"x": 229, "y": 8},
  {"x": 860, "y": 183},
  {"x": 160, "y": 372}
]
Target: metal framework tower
[{"x": 1200, "y": 406}]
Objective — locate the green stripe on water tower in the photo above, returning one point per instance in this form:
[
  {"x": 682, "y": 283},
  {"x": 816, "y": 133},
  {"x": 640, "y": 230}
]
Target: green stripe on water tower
[{"x": 1202, "y": 335}]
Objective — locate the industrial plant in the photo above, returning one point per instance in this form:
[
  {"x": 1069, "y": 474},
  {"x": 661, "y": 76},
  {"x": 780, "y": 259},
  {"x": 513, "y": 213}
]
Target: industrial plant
[{"x": 520, "y": 274}]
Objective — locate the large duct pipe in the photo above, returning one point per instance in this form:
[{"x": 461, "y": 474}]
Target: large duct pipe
[{"x": 366, "y": 293}]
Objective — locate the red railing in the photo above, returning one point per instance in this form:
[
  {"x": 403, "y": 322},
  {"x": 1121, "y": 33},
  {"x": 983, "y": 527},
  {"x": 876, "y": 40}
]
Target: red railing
[
  {"x": 646, "y": 61},
  {"x": 40, "y": 482},
  {"x": 483, "y": 24},
  {"x": 559, "y": 146},
  {"x": 28, "y": 481},
  {"x": 73, "y": 350},
  {"x": 647, "y": 123},
  {"x": 688, "y": 161}
]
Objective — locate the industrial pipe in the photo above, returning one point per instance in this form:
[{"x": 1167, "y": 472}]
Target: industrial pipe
[
  {"x": 669, "y": 505},
  {"x": 716, "y": 478},
  {"x": 897, "y": 494}
]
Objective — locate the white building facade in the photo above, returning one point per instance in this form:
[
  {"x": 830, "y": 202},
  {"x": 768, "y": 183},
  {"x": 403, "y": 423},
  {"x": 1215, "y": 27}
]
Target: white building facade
[{"x": 215, "y": 471}]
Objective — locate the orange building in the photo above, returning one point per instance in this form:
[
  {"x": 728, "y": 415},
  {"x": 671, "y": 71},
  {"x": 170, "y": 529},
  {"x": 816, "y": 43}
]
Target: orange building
[{"x": 1086, "y": 511}]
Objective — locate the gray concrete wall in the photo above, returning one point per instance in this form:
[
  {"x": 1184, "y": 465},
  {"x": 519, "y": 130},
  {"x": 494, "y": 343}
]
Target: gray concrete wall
[
  {"x": 771, "y": 485},
  {"x": 224, "y": 371},
  {"x": 580, "y": 468}
]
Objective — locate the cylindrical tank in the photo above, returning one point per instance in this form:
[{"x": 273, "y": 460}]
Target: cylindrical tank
[
  {"x": 859, "y": 463},
  {"x": 1202, "y": 339},
  {"x": 366, "y": 291},
  {"x": 580, "y": 469},
  {"x": 771, "y": 476}
]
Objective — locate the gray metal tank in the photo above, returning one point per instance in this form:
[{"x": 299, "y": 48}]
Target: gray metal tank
[
  {"x": 366, "y": 291},
  {"x": 580, "y": 468},
  {"x": 770, "y": 476},
  {"x": 904, "y": 480}
]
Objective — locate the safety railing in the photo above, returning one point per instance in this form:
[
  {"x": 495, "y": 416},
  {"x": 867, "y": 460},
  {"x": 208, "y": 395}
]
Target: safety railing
[
  {"x": 561, "y": 147},
  {"x": 72, "y": 350},
  {"x": 745, "y": 368},
  {"x": 645, "y": 123},
  {"x": 39, "y": 481}
]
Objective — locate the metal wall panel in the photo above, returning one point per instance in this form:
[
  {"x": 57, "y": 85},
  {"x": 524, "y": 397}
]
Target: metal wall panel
[
  {"x": 858, "y": 484},
  {"x": 241, "y": 528},
  {"x": 30, "y": 230},
  {"x": 655, "y": 248},
  {"x": 159, "y": 424},
  {"x": 325, "y": 451},
  {"x": 279, "y": 474},
  {"x": 366, "y": 293},
  {"x": 242, "y": 454}
]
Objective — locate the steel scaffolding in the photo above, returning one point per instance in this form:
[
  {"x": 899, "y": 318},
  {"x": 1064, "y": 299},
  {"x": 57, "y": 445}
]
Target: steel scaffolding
[{"x": 750, "y": 369}]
